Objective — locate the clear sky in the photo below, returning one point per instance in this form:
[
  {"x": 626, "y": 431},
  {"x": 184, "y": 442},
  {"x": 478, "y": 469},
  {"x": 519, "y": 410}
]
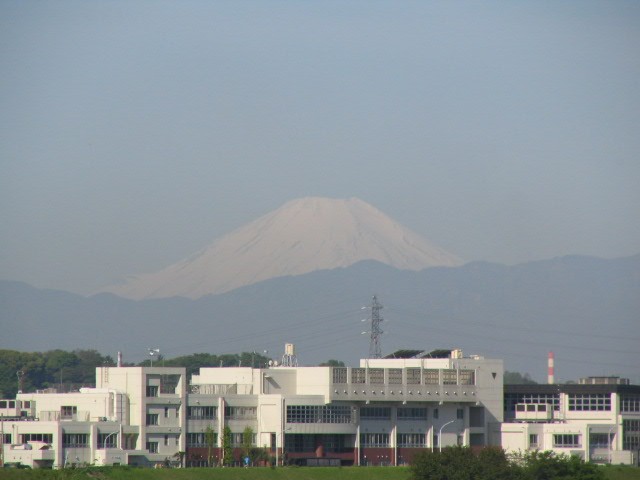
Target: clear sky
[{"x": 133, "y": 133}]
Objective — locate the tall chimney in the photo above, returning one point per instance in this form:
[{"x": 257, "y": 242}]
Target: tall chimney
[
  {"x": 550, "y": 370},
  {"x": 119, "y": 359}
]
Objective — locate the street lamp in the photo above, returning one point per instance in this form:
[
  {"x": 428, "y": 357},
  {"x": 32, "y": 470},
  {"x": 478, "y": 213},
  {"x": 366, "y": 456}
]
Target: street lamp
[
  {"x": 440, "y": 434},
  {"x": 281, "y": 434},
  {"x": 104, "y": 446}
]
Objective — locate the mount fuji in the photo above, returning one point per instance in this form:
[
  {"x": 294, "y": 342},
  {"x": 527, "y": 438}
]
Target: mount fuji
[{"x": 300, "y": 237}]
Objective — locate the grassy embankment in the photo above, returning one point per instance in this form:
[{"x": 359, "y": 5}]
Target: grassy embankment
[{"x": 318, "y": 473}]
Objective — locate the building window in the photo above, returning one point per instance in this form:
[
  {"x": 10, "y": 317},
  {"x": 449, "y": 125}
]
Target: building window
[
  {"x": 630, "y": 403},
  {"x": 579, "y": 402},
  {"x": 412, "y": 413},
  {"x": 436, "y": 413},
  {"x": 631, "y": 434},
  {"x": 107, "y": 440},
  {"x": 600, "y": 440},
  {"x": 566, "y": 440},
  {"x": 300, "y": 443},
  {"x": 368, "y": 440},
  {"x": 512, "y": 399},
  {"x": 339, "y": 375},
  {"x": 152, "y": 447},
  {"x": 460, "y": 413},
  {"x": 152, "y": 419},
  {"x": 200, "y": 439},
  {"x": 413, "y": 376},
  {"x": 436, "y": 440},
  {"x": 460, "y": 440},
  {"x": 202, "y": 413},
  {"x": 395, "y": 376},
  {"x": 449, "y": 377},
  {"x": 237, "y": 439},
  {"x": 467, "y": 377},
  {"x": 166, "y": 412},
  {"x": 358, "y": 375},
  {"x": 166, "y": 440},
  {"x": 37, "y": 437},
  {"x": 411, "y": 440},
  {"x": 67, "y": 412},
  {"x": 376, "y": 375},
  {"x": 152, "y": 391},
  {"x": 431, "y": 376},
  {"x": 240, "y": 413},
  {"x": 375, "y": 413},
  {"x": 169, "y": 383},
  {"x": 75, "y": 440},
  {"x": 319, "y": 414},
  {"x": 533, "y": 440}
]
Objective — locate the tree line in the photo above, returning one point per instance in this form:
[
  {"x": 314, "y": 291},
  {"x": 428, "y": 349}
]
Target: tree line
[
  {"x": 492, "y": 463},
  {"x": 69, "y": 371}
]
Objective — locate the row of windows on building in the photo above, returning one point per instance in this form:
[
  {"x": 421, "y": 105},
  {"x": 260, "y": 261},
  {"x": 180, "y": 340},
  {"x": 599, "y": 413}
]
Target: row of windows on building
[
  {"x": 204, "y": 439},
  {"x": 399, "y": 376},
  {"x": 630, "y": 438},
  {"x": 204, "y": 413},
  {"x": 577, "y": 402},
  {"x": 403, "y": 440},
  {"x": 345, "y": 414},
  {"x": 69, "y": 440},
  {"x": 12, "y": 403}
]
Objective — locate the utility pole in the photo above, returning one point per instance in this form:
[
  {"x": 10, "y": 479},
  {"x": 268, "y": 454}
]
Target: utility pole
[{"x": 375, "y": 347}]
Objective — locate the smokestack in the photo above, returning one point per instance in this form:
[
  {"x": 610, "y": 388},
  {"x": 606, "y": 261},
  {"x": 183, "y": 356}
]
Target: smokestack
[
  {"x": 119, "y": 359},
  {"x": 550, "y": 370}
]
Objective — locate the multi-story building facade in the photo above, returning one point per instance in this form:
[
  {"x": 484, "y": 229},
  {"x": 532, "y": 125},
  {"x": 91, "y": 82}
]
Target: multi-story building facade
[
  {"x": 133, "y": 416},
  {"x": 378, "y": 413},
  {"x": 597, "y": 419}
]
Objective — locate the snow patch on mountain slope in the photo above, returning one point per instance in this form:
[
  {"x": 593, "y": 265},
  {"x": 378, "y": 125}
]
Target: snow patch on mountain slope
[{"x": 300, "y": 237}]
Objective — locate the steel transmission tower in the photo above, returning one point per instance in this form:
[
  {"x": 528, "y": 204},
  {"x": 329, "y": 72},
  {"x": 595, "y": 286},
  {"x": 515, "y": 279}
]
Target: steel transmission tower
[{"x": 375, "y": 348}]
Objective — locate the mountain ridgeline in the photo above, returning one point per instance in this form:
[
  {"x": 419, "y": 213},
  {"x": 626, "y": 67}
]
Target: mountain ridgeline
[
  {"x": 302, "y": 236},
  {"x": 584, "y": 309}
]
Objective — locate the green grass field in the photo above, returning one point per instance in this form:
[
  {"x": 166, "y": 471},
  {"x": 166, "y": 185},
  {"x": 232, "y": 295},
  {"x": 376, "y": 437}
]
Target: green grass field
[{"x": 287, "y": 473}]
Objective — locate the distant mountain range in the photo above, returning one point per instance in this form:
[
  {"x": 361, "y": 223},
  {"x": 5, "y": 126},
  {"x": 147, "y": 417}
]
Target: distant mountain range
[
  {"x": 584, "y": 309},
  {"x": 302, "y": 236}
]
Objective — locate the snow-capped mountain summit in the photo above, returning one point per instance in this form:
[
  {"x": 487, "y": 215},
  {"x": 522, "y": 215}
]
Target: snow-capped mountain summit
[{"x": 300, "y": 237}]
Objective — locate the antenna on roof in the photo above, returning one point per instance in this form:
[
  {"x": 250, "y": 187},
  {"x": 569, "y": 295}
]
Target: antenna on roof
[
  {"x": 375, "y": 347},
  {"x": 152, "y": 353}
]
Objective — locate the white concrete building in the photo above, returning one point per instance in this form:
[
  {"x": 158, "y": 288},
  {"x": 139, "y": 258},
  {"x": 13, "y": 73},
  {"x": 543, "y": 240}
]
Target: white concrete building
[
  {"x": 378, "y": 413},
  {"x": 598, "y": 419},
  {"x": 381, "y": 412},
  {"x": 132, "y": 417}
]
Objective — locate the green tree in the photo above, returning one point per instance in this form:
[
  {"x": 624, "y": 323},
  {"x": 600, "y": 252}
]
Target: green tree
[
  {"x": 210, "y": 440},
  {"x": 517, "y": 378},
  {"x": 247, "y": 441},
  {"x": 227, "y": 449},
  {"x": 550, "y": 466},
  {"x": 332, "y": 363}
]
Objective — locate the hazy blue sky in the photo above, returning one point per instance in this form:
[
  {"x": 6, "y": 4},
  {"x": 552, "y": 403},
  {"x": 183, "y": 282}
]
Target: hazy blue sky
[{"x": 132, "y": 133}]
